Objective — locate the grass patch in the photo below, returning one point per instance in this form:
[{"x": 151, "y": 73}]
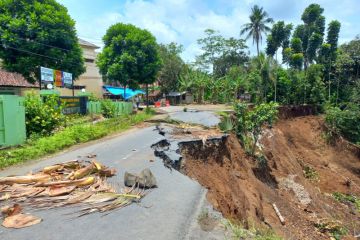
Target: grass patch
[
  {"x": 75, "y": 134},
  {"x": 333, "y": 228},
  {"x": 346, "y": 198},
  {"x": 310, "y": 173},
  {"x": 239, "y": 232}
]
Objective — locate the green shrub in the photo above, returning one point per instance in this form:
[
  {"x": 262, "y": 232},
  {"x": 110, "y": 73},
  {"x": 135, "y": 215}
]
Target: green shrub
[
  {"x": 43, "y": 116},
  {"x": 333, "y": 228},
  {"x": 344, "y": 122},
  {"x": 251, "y": 122},
  {"x": 108, "y": 109},
  {"x": 344, "y": 198},
  {"x": 310, "y": 173},
  {"x": 93, "y": 98},
  {"x": 239, "y": 232},
  {"x": 226, "y": 125}
]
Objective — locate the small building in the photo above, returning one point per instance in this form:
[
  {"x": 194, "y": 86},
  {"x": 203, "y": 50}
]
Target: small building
[
  {"x": 15, "y": 84},
  {"x": 91, "y": 80},
  {"x": 176, "y": 98}
]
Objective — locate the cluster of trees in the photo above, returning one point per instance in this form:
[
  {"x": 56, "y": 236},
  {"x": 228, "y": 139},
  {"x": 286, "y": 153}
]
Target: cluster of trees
[{"x": 313, "y": 68}]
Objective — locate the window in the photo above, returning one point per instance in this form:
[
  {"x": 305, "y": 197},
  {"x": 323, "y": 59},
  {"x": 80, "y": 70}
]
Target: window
[{"x": 88, "y": 60}]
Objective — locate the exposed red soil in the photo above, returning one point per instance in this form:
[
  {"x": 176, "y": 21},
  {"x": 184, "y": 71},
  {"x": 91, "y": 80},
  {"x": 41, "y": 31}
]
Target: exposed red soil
[{"x": 244, "y": 192}]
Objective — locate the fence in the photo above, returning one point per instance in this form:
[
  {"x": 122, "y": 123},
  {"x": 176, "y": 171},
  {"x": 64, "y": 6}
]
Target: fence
[
  {"x": 122, "y": 108},
  {"x": 12, "y": 120}
]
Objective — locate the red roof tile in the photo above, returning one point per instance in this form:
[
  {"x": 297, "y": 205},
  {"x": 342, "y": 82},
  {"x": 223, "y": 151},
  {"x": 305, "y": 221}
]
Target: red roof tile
[{"x": 11, "y": 79}]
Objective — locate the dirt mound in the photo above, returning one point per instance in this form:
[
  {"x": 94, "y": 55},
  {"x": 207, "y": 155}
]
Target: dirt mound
[{"x": 294, "y": 148}]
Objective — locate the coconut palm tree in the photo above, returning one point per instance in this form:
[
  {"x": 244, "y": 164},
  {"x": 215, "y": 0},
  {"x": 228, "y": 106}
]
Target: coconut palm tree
[{"x": 257, "y": 25}]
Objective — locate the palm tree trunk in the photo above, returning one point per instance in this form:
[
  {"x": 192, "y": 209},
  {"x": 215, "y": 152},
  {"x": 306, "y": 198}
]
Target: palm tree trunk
[
  {"x": 147, "y": 95},
  {"x": 257, "y": 47},
  {"x": 275, "y": 88}
]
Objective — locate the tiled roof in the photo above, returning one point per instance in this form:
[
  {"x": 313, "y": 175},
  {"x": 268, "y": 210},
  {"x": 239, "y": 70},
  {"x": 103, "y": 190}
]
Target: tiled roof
[
  {"x": 11, "y": 79},
  {"x": 86, "y": 43}
]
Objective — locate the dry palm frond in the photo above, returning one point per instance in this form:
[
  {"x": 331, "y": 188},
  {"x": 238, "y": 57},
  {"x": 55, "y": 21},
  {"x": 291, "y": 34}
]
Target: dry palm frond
[
  {"x": 76, "y": 182},
  {"x": 20, "y": 221},
  {"x": 25, "y": 179}
]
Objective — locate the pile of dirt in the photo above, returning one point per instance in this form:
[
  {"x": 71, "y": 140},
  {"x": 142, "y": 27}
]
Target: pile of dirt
[{"x": 245, "y": 192}]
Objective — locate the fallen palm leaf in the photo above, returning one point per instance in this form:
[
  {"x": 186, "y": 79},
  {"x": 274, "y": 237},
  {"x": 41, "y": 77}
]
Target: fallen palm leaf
[
  {"x": 68, "y": 183},
  {"x": 78, "y": 182},
  {"x": 25, "y": 179},
  {"x": 97, "y": 165},
  {"x": 10, "y": 211},
  {"x": 79, "y": 197},
  {"x": 5, "y": 197},
  {"x": 52, "y": 168},
  {"x": 84, "y": 171},
  {"x": 58, "y": 191},
  {"x": 101, "y": 197},
  {"x": 20, "y": 221}
]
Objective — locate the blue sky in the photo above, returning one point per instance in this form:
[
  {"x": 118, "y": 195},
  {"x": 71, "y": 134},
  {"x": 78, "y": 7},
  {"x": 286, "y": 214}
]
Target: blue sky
[{"x": 184, "y": 21}]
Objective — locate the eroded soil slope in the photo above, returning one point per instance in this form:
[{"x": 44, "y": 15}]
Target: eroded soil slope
[{"x": 244, "y": 191}]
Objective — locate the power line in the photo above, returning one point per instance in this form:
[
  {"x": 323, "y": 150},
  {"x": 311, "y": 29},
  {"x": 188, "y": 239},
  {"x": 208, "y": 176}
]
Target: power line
[
  {"x": 44, "y": 44},
  {"x": 52, "y": 46},
  {"x": 29, "y": 52},
  {"x": 37, "y": 54}
]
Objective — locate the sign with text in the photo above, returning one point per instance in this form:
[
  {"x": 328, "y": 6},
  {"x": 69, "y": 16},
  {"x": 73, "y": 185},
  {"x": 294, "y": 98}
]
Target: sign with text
[
  {"x": 47, "y": 74},
  {"x": 58, "y": 78},
  {"x": 67, "y": 79},
  {"x": 74, "y": 105}
]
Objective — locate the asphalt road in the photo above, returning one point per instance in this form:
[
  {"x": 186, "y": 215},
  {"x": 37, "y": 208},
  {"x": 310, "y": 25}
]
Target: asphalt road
[{"x": 168, "y": 212}]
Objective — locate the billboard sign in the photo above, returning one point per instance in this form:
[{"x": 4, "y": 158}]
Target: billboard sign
[
  {"x": 58, "y": 78},
  {"x": 67, "y": 79},
  {"x": 47, "y": 74}
]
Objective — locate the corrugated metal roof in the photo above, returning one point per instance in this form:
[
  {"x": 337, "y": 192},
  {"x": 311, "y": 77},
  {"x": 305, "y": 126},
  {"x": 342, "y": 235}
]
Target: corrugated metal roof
[{"x": 11, "y": 79}]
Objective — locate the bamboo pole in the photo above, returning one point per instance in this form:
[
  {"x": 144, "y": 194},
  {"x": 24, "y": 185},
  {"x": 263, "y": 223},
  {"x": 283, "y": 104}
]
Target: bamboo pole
[{"x": 281, "y": 218}]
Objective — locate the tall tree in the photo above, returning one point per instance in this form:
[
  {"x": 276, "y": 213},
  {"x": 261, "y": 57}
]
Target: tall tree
[
  {"x": 38, "y": 33},
  {"x": 220, "y": 53},
  {"x": 278, "y": 37},
  {"x": 311, "y": 33},
  {"x": 328, "y": 52},
  {"x": 211, "y": 45},
  {"x": 333, "y": 37},
  {"x": 233, "y": 54},
  {"x": 172, "y": 66},
  {"x": 257, "y": 25},
  {"x": 130, "y": 56}
]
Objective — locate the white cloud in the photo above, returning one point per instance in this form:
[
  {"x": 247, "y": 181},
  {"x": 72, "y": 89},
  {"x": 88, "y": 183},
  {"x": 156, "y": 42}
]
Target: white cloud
[{"x": 184, "y": 21}]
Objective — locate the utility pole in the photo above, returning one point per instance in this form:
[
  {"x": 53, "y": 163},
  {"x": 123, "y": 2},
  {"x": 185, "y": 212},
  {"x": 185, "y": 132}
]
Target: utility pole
[
  {"x": 329, "y": 80},
  {"x": 73, "y": 88},
  {"x": 40, "y": 79}
]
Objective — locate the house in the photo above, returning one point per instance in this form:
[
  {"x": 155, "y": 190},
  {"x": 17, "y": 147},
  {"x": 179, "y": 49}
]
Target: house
[
  {"x": 177, "y": 98},
  {"x": 91, "y": 80},
  {"x": 15, "y": 84}
]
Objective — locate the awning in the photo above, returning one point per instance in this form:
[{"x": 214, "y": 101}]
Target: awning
[
  {"x": 129, "y": 93},
  {"x": 176, "y": 94}
]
